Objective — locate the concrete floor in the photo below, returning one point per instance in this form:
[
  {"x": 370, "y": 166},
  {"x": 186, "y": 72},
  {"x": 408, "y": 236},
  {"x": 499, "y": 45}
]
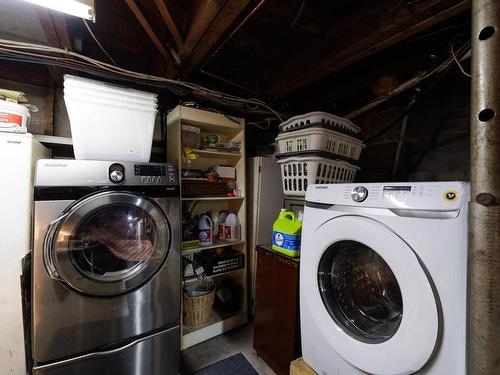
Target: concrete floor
[{"x": 238, "y": 340}]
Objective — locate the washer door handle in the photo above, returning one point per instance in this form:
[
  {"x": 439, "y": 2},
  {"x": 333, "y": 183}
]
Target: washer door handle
[{"x": 47, "y": 245}]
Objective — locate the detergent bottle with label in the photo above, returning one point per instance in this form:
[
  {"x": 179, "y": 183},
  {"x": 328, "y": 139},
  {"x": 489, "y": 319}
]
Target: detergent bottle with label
[
  {"x": 232, "y": 227},
  {"x": 286, "y": 233},
  {"x": 205, "y": 233}
]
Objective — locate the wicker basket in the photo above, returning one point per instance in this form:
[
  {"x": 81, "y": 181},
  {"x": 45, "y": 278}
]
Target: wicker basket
[{"x": 197, "y": 309}]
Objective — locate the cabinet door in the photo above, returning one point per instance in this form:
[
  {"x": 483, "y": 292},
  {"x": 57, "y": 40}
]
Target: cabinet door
[{"x": 276, "y": 320}]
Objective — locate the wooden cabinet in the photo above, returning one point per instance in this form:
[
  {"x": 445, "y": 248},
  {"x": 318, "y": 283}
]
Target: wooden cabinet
[{"x": 277, "y": 327}]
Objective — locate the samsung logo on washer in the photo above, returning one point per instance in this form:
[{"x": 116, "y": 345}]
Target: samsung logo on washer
[{"x": 62, "y": 165}]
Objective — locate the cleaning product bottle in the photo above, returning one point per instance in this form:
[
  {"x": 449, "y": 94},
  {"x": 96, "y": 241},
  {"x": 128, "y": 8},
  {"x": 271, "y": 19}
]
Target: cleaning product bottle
[
  {"x": 286, "y": 233},
  {"x": 232, "y": 229},
  {"x": 205, "y": 233},
  {"x": 214, "y": 216},
  {"x": 222, "y": 220}
]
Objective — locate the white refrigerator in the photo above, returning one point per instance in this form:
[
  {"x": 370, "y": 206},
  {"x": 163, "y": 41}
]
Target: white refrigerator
[
  {"x": 18, "y": 155},
  {"x": 264, "y": 202}
]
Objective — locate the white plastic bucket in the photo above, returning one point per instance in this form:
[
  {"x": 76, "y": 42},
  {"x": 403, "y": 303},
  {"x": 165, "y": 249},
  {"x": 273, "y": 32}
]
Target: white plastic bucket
[
  {"x": 13, "y": 117},
  {"x": 115, "y": 103},
  {"x": 105, "y": 130},
  {"x": 90, "y": 84},
  {"x": 108, "y": 96}
]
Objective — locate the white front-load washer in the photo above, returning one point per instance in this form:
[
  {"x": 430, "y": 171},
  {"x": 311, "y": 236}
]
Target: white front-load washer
[{"x": 383, "y": 278}]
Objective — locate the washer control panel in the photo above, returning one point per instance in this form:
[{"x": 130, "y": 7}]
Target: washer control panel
[
  {"x": 104, "y": 173},
  {"x": 440, "y": 196},
  {"x": 156, "y": 173},
  {"x": 410, "y": 195}
]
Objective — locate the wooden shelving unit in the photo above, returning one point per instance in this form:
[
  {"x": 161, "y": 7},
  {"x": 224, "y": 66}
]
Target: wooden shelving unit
[
  {"x": 214, "y": 246},
  {"x": 214, "y": 199},
  {"x": 229, "y": 129}
]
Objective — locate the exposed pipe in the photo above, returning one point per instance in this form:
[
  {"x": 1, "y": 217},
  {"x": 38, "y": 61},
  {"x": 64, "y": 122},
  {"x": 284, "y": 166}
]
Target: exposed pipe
[{"x": 484, "y": 219}]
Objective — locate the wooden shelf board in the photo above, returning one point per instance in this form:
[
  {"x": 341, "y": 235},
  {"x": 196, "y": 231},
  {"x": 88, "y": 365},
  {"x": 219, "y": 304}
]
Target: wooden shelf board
[
  {"x": 54, "y": 140},
  {"x": 212, "y": 198},
  {"x": 212, "y": 154},
  {"x": 216, "y": 325},
  {"x": 209, "y": 122},
  {"x": 215, "y": 245},
  {"x": 194, "y": 278}
]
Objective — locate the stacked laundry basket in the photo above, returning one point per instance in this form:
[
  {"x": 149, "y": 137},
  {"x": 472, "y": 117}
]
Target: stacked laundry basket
[{"x": 317, "y": 148}]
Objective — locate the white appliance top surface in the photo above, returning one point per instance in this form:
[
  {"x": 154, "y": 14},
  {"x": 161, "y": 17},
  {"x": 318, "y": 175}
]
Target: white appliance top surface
[
  {"x": 433, "y": 196},
  {"x": 66, "y": 172}
]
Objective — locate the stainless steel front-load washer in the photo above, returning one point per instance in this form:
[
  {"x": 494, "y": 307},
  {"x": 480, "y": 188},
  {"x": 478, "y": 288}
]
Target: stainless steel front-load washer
[{"x": 106, "y": 268}]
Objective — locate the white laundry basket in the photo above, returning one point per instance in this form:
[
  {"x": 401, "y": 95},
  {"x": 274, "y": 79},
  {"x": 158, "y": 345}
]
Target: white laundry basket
[
  {"x": 311, "y": 118},
  {"x": 320, "y": 139},
  {"x": 298, "y": 172}
]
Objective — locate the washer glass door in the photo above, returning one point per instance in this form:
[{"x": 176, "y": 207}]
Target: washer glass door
[
  {"x": 107, "y": 243},
  {"x": 360, "y": 291}
]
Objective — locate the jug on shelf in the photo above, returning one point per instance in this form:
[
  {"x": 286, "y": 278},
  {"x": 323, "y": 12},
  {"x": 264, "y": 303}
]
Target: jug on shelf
[{"x": 205, "y": 230}]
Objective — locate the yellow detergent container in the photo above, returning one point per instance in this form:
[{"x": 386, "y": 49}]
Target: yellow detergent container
[{"x": 286, "y": 233}]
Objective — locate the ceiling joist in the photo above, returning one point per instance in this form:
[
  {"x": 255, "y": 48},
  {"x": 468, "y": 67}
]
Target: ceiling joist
[
  {"x": 358, "y": 37},
  {"x": 152, "y": 35},
  {"x": 204, "y": 12},
  {"x": 56, "y": 32},
  {"x": 218, "y": 27},
  {"x": 169, "y": 22}
]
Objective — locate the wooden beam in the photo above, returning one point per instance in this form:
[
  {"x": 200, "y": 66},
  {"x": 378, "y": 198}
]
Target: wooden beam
[
  {"x": 149, "y": 30},
  {"x": 219, "y": 26},
  {"x": 169, "y": 21},
  {"x": 358, "y": 37},
  {"x": 56, "y": 32},
  {"x": 48, "y": 123},
  {"x": 204, "y": 12},
  {"x": 23, "y": 72}
]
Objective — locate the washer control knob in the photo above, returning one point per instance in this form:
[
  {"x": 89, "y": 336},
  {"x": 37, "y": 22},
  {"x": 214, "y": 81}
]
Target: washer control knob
[
  {"x": 359, "y": 194},
  {"x": 116, "y": 173},
  {"x": 116, "y": 176}
]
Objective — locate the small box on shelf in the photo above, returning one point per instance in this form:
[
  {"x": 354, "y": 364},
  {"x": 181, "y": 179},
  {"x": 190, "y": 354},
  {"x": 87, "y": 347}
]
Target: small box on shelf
[{"x": 217, "y": 261}]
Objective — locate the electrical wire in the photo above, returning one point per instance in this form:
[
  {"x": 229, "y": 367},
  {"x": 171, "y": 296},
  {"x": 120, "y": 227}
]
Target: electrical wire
[
  {"x": 458, "y": 63},
  {"x": 299, "y": 13},
  {"x": 98, "y": 43},
  {"x": 82, "y": 62},
  {"x": 266, "y": 121},
  {"x": 462, "y": 51}
]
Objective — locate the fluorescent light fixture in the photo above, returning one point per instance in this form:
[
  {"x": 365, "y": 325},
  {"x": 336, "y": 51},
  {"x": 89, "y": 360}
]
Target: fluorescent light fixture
[{"x": 79, "y": 8}]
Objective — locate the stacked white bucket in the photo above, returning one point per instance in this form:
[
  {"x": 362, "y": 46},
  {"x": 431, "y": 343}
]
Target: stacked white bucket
[
  {"x": 109, "y": 122},
  {"x": 317, "y": 148}
]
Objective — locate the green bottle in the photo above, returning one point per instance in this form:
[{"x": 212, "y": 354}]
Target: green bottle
[{"x": 286, "y": 233}]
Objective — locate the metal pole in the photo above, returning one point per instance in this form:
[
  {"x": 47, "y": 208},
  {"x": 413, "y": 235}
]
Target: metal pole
[{"x": 484, "y": 250}]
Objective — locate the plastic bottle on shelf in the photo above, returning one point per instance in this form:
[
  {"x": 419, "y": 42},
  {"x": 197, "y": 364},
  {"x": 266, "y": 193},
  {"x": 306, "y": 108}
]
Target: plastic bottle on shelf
[
  {"x": 205, "y": 232},
  {"x": 232, "y": 228},
  {"x": 222, "y": 219},
  {"x": 214, "y": 216}
]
